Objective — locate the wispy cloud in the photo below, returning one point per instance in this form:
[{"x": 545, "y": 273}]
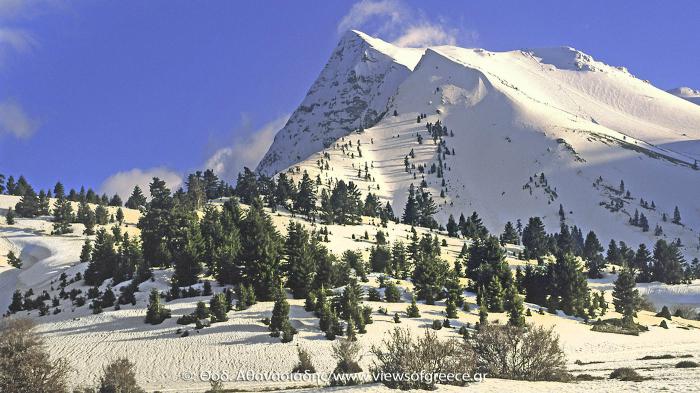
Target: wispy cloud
[
  {"x": 16, "y": 39},
  {"x": 394, "y": 21},
  {"x": 245, "y": 151},
  {"x": 14, "y": 120},
  {"x": 123, "y": 183}
]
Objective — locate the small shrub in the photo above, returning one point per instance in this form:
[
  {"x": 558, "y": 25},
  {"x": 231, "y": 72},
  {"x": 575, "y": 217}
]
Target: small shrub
[
  {"x": 664, "y": 313},
  {"x": 626, "y": 374},
  {"x": 403, "y": 354},
  {"x": 120, "y": 376},
  {"x": 686, "y": 364},
  {"x": 663, "y": 324},
  {"x": 346, "y": 353},
  {"x": 396, "y": 318},
  {"x": 530, "y": 353},
  {"x": 304, "y": 364},
  {"x": 437, "y": 325}
]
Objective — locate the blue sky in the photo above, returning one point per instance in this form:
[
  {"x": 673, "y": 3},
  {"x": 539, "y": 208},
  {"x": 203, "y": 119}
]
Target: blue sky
[{"x": 107, "y": 93}]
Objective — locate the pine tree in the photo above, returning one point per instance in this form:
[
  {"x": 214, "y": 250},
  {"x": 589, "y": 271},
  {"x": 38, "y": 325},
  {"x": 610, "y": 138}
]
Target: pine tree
[
  {"x": 592, "y": 250},
  {"x": 280, "y": 312},
  {"x": 569, "y": 285},
  {"x": 156, "y": 312},
  {"x": 535, "y": 239},
  {"x": 452, "y": 228},
  {"x": 247, "y": 186},
  {"x": 412, "y": 310},
  {"x": 494, "y": 295},
  {"x": 137, "y": 200},
  {"x": 10, "y": 217},
  {"x": 17, "y": 302},
  {"x": 14, "y": 260},
  {"x": 120, "y": 216},
  {"x": 86, "y": 251},
  {"x": 625, "y": 296},
  {"x": 261, "y": 251},
  {"x": 410, "y": 212},
  {"x": 450, "y": 309},
  {"x": 28, "y": 206},
  {"x": 641, "y": 263},
  {"x": 668, "y": 262},
  {"x": 219, "y": 307},
  {"x": 300, "y": 265},
  {"x": 62, "y": 217},
  {"x": 676, "y": 216},
  {"x": 510, "y": 235},
  {"x": 186, "y": 247},
  {"x": 514, "y": 306},
  {"x": 155, "y": 224},
  {"x": 305, "y": 201}
]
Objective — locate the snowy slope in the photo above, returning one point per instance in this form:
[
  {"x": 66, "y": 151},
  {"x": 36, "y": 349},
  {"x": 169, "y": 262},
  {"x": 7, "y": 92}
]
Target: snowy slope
[
  {"x": 517, "y": 114},
  {"x": 350, "y": 93},
  {"x": 687, "y": 93}
]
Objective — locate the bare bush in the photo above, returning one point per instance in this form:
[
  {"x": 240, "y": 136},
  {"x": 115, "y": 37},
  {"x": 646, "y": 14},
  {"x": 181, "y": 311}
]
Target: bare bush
[
  {"x": 403, "y": 354},
  {"x": 347, "y": 353},
  {"x": 119, "y": 377},
  {"x": 304, "y": 364},
  {"x": 25, "y": 365},
  {"x": 530, "y": 353}
]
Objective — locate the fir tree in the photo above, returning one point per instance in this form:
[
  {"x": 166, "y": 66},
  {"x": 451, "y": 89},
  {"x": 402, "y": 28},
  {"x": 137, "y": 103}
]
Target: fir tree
[
  {"x": 510, "y": 235},
  {"x": 592, "y": 250},
  {"x": 452, "y": 228},
  {"x": 280, "y": 312},
  {"x": 300, "y": 265},
  {"x": 261, "y": 250},
  {"x": 494, "y": 295},
  {"x": 305, "y": 201},
  {"x": 535, "y": 239},
  {"x": 667, "y": 265},
  {"x": 676, "y": 216},
  {"x": 28, "y": 206},
  {"x": 569, "y": 285},
  {"x": 412, "y": 310},
  {"x": 219, "y": 307},
  {"x": 625, "y": 296},
  {"x": 156, "y": 312},
  {"x": 86, "y": 251},
  {"x": 14, "y": 260},
  {"x": 247, "y": 186},
  {"x": 17, "y": 302},
  {"x": 410, "y": 212},
  {"x": 62, "y": 217},
  {"x": 10, "y": 216},
  {"x": 137, "y": 200},
  {"x": 514, "y": 303}
]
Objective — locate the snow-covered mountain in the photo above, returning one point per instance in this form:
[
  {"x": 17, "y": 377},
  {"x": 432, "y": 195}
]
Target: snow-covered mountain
[
  {"x": 514, "y": 115},
  {"x": 687, "y": 93}
]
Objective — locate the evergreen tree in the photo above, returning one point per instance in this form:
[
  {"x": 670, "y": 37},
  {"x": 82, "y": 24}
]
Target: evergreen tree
[
  {"x": 43, "y": 203},
  {"x": 137, "y": 200},
  {"x": 17, "y": 302},
  {"x": 186, "y": 246},
  {"x": 219, "y": 307},
  {"x": 155, "y": 225},
  {"x": 494, "y": 295},
  {"x": 412, "y": 310},
  {"x": 156, "y": 312},
  {"x": 535, "y": 239},
  {"x": 28, "y": 206},
  {"x": 14, "y": 260},
  {"x": 280, "y": 311},
  {"x": 305, "y": 201},
  {"x": 120, "y": 216},
  {"x": 247, "y": 186},
  {"x": 569, "y": 285},
  {"x": 410, "y": 212},
  {"x": 86, "y": 251},
  {"x": 116, "y": 200},
  {"x": 104, "y": 258},
  {"x": 399, "y": 261},
  {"x": 676, "y": 216},
  {"x": 452, "y": 228},
  {"x": 510, "y": 235},
  {"x": 261, "y": 250},
  {"x": 641, "y": 264},
  {"x": 667, "y": 265},
  {"x": 62, "y": 217},
  {"x": 300, "y": 265},
  {"x": 592, "y": 250},
  {"x": 514, "y": 306},
  {"x": 625, "y": 296},
  {"x": 10, "y": 216},
  {"x": 101, "y": 215},
  {"x": 613, "y": 256}
]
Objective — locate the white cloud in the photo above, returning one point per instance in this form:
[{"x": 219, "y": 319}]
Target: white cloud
[
  {"x": 365, "y": 10},
  {"x": 16, "y": 39},
  {"x": 392, "y": 20},
  {"x": 123, "y": 183},
  {"x": 426, "y": 35},
  {"x": 245, "y": 151},
  {"x": 14, "y": 121}
]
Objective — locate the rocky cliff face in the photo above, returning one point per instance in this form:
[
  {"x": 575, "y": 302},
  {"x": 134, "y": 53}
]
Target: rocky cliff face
[{"x": 351, "y": 93}]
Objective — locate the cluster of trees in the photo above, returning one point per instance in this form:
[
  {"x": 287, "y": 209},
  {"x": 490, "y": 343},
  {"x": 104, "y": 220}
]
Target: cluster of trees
[
  {"x": 347, "y": 305},
  {"x": 420, "y": 208}
]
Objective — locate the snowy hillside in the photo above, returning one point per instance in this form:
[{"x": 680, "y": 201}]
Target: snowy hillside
[
  {"x": 687, "y": 93},
  {"x": 351, "y": 92},
  {"x": 515, "y": 115}
]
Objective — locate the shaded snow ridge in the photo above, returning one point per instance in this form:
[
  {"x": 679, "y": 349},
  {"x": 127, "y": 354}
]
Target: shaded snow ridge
[{"x": 514, "y": 115}]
